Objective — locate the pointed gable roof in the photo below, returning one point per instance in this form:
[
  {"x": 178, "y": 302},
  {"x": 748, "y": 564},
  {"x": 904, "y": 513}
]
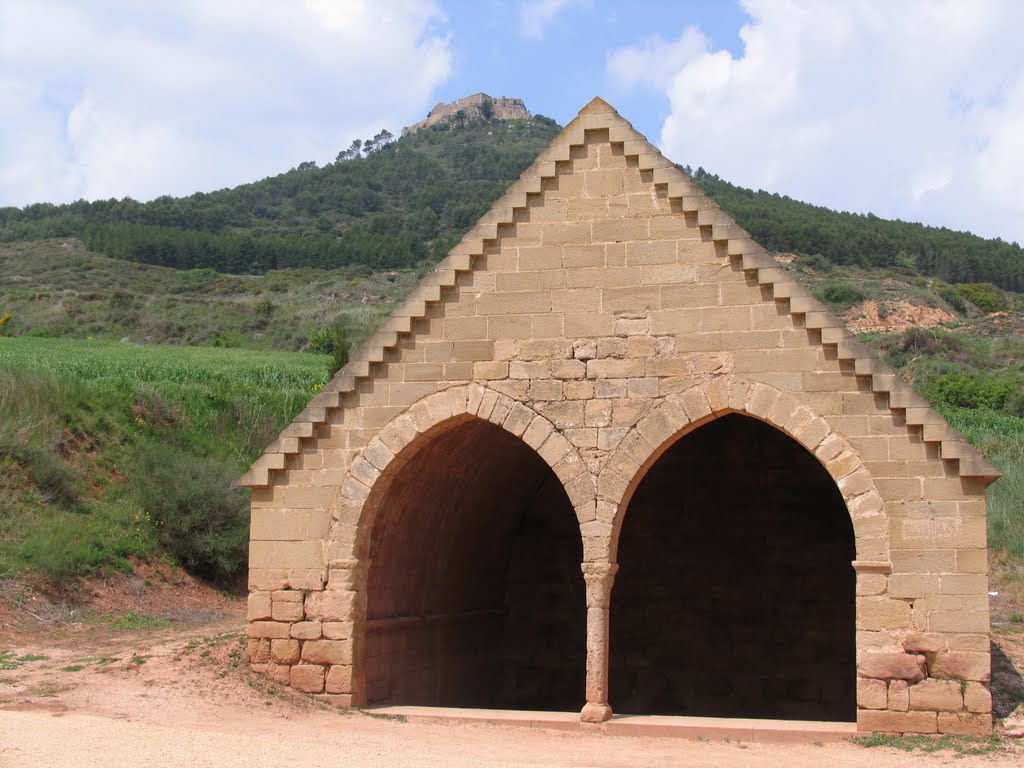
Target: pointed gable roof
[{"x": 685, "y": 198}]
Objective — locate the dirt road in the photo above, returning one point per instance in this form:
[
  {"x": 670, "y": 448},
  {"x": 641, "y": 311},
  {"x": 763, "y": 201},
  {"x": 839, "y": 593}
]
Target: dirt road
[{"x": 178, "y": 697}]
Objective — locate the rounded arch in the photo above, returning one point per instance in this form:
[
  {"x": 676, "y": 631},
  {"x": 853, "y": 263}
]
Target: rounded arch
[
  {"x": 411, "y": 431},
  {"x": 680, "y": 414}
]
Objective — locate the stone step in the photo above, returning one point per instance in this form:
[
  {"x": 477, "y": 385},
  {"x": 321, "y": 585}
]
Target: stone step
[{"x": 655, "y": 726}]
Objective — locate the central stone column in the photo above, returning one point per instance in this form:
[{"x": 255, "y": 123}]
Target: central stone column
[{"x": 599, "y": 578}]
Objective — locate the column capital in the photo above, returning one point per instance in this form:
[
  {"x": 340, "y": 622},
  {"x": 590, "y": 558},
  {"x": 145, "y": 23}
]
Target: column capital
[{"x": 599, "y": 578}]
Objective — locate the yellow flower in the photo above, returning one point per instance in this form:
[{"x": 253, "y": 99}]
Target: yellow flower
[{"x": 5, "y": 317}]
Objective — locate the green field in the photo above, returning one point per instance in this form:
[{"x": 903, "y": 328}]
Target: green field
[{"x": 111, "y": 450}]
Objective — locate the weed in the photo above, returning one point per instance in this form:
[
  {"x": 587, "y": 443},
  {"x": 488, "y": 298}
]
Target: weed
[
  {"x": 1017, "y": 618},
  {"x": 961, "y": 745},
  {"x": 73, "y": 668},
  {"x": 138, "y": 660},
  {"x": 46, "y": 689},
  {"x": 132, "y": 620},
  {"x": 10, "y": 661},
  {"x": 386, "y": 716}
]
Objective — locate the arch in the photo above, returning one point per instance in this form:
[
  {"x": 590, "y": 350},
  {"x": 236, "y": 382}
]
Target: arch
[
  {"x": 354, "y": 516},
  {"x": 735, "y": 596},
  {"x": 455, "y": 541},
  {"x": 679, "y": 414}
]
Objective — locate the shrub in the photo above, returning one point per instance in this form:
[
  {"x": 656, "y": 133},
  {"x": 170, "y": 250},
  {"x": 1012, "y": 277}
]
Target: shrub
[
  {"x": 339, "y": 355},
  {"x": 970, "y": 390},
  {"x": 841, "y": 294},
  {"x": 199, "y": 515},
  {"x": 984, "y": 296},
  {"x": 817, "y": 263},
  {"x": 950, "y": 295}
]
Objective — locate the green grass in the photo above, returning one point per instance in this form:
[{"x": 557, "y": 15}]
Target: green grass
[
  {"x": 10, "y": 661},
  {"x": 132, "y": 620},
  {"x": 110, "y": 451},
  {"x": 962, "y": 746},
  {"x": 58, "y": 289},
  {"x": 1001, "y": 439}
]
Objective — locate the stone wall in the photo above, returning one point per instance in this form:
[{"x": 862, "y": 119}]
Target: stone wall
[{"x": 598, "y": 314}]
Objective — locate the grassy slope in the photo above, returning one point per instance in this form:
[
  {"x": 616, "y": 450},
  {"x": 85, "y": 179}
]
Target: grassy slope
[
  {"x": 109, "y": 450},
  {"x": 57, "y": 288}
]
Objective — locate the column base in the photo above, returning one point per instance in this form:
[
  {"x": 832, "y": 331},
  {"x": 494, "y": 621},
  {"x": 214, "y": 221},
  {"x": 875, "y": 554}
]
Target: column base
[{"x": 595, "y": 713}]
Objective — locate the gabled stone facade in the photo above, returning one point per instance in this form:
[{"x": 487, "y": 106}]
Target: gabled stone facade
[{"x": 607, "y": 383}]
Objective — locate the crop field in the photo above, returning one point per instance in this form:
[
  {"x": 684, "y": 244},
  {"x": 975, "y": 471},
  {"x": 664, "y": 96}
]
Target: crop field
[{"x": 111, "y": 450}]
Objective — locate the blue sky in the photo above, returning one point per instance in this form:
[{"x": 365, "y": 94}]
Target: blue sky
[{"x": 910, "y": 109}]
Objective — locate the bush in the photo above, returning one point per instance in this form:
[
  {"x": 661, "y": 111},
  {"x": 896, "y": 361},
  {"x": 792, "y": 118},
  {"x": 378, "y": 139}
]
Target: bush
[
  {"x": 199, "y": 515},
  {"x": 950, "y": 295},
  {"x": 841, "y": 294},
  {"x": 970, "y": 390},
  {"x": 339, "y": 354},
  {"x": 984, "y": 296}
]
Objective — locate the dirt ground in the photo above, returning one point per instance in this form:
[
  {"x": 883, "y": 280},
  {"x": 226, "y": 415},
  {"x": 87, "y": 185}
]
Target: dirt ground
[{"x": 103, "y": 688}]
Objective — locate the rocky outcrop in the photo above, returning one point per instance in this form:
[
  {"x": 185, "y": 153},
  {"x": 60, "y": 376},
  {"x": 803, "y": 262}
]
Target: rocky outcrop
[{"x": 472, "y": 109}]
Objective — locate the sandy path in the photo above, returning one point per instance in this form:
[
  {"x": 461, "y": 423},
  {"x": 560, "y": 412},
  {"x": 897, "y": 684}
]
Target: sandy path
[{"x": 173, "y": 698}]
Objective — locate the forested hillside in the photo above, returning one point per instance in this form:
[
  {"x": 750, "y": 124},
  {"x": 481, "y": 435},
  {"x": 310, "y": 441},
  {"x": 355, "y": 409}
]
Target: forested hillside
[
  {"x": 391, "y": 204},
  {"x": 382, "y": 204},
  {"x": 783, "y": 224}
]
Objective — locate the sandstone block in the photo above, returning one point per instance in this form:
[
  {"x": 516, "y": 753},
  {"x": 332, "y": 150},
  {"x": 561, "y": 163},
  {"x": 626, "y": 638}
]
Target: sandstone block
[
  {"x": 899, "y": 696},
  {"x": 339, "y": 679},
  {"x": 965, "y": 724},
  {"x": 896, "y": 722},
  {"x": 284, "y": 651},
  {"x": 258, "y": 650},
  {"x": 913, "y": 585},
  {"x": 268, "y": 629},
  {"x": 332, "y": 605},
  {"x": 958, "y": 621},
  {"x": 871, "y": 694},
  {"x": 936, "y": 696},
  {"x": 977, "y": 698},
  {"x": 879, "y": 613},
  {"x": 280, "y": 673},
  {"x": 924, "y": 642},
  {"x": 962, "y": 665},
  {"x": 490, "y": 370},
  {"x": 288, "y": 611},
  {"x": 338, "y": 630},
  {"x": 892, "y": 666},
  {"x": 307, "y": 677},
  {"x": 259, "y": 606},
  {"x": 307, "y": 630},
  {"x": 327, "y": 651}
]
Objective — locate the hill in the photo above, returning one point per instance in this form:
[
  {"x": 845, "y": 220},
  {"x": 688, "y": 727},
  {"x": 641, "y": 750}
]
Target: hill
[
  {"x": 382, "y": 204},
  {"x": 390, "y": 204}
]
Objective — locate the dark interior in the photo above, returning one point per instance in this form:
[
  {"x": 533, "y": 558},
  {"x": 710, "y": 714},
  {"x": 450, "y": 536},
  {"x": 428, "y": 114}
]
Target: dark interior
[
  {"x": 735, "y": 594},
  {"x": 475, "y": 594}
]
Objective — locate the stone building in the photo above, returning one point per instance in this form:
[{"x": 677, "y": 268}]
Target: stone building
[{"x": 610, "y": 455}]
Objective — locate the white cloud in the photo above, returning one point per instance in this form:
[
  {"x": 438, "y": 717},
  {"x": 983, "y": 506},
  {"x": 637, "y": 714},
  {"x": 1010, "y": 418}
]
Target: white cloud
[
  {"x": 144, "y": 99},
  {"x": 536, "y": 16},
  {"x": 912, "y": 110},
  {"x": 654, "y": 61}
]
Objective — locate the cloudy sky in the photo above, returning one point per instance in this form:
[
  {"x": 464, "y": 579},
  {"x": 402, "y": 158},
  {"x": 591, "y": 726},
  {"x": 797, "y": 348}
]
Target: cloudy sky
[{"x": 911, "y": 109}]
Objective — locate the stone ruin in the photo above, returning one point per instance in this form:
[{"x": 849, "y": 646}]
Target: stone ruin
[
  {"x": 477, "y": 108},
  {"x": 610, "y": 455}
]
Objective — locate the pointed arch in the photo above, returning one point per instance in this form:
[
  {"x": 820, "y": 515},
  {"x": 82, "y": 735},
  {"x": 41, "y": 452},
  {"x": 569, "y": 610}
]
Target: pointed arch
[
  {"x": 430, "y": 416},
  {"x": 464, "y": 573},
  {"x": 679, "y": 414}
]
